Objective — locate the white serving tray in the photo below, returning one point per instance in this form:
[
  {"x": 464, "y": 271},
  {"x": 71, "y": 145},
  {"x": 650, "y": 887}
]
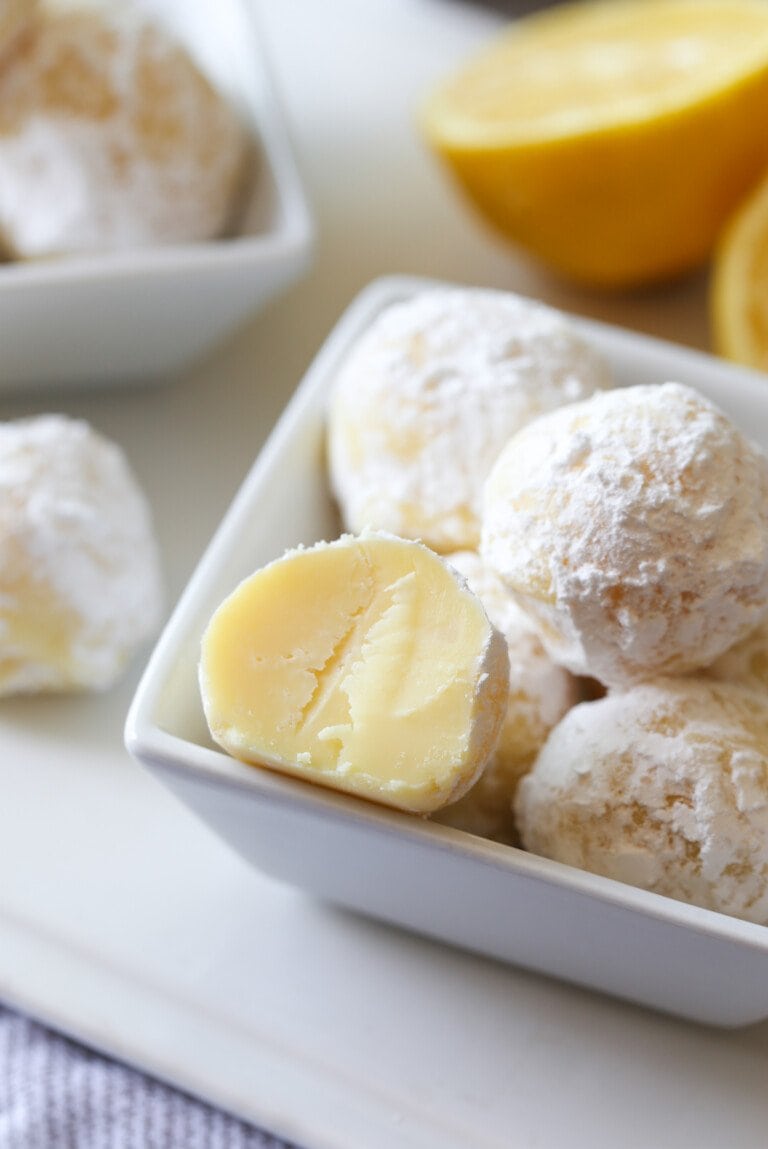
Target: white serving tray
[
  {"x": 125, "y": 922},
  {"x": 489, "y": 898}
]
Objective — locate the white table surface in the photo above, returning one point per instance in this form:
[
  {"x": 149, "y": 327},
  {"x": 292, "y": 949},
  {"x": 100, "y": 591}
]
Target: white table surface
[{"x": 126, "y": 923}]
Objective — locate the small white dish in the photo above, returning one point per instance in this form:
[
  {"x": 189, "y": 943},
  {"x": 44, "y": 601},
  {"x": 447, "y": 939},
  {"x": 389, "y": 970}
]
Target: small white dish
[
  {"x": 433, "y": 879},
  {"x": 129, "y": 317}
]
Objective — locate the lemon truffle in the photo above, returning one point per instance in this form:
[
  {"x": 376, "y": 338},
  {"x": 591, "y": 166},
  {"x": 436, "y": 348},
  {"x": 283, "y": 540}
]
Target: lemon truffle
[
  {"x": 80, "y": 584},
  {"x": 540, "y": 693},
  {"x": 633, "y": 528},
  {"x": 663, "y": 786},
  {"x": 428, "y": 397},
  {"x": 111, "y": 138},
  {"x": 364, "y": 665}
]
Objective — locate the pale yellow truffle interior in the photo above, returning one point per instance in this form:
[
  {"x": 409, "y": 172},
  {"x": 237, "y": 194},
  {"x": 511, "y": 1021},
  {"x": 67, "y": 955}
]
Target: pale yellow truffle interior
[
  {"x": 361, "y": 664},
  {"x": 39, "y": 637}
]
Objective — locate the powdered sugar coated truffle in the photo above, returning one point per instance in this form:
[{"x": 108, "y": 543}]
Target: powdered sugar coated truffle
[
  {"x": 664, "y": 786},
  {"x": 428, "y": 397},
  {"x": 111, "y": 138},
  {"x": 539, "y": 695},
  {"x": 633, "y": 527},
  {"x": 79, "y": 575}
]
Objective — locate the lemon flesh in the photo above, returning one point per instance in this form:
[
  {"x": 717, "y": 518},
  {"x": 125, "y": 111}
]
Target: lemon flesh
[
  {"x": 612, "y": 139},
  {"x": 739, "y": 296}
]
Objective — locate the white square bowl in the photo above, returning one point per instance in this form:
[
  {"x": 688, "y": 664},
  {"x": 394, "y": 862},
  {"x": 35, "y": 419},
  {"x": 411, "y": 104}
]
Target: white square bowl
[
  {"x": 442, "y": 882},
  {"x": 142, "y": 316}
]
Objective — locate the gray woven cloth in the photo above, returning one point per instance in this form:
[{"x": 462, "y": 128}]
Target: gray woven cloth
[{"x": 54, "y": 1094}]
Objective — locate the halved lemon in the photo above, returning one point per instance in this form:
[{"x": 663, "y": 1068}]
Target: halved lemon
[
  {"x": 739, "y": 291},
  {"x": 612, "y": 138}
]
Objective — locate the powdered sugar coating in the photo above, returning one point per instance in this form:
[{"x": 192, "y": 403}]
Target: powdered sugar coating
[
  {"x": 80, "y": 585},
  {"x": 427, "y": 399},
  {"x": 664, "y": 786},
  {"x": 111, "y": 138},
  {"x": 633, "y": 528},
  {"x": 540, "y": 693}
]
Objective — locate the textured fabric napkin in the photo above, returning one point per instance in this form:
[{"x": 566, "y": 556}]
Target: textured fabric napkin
[{"x": 54, "y": 1094}]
